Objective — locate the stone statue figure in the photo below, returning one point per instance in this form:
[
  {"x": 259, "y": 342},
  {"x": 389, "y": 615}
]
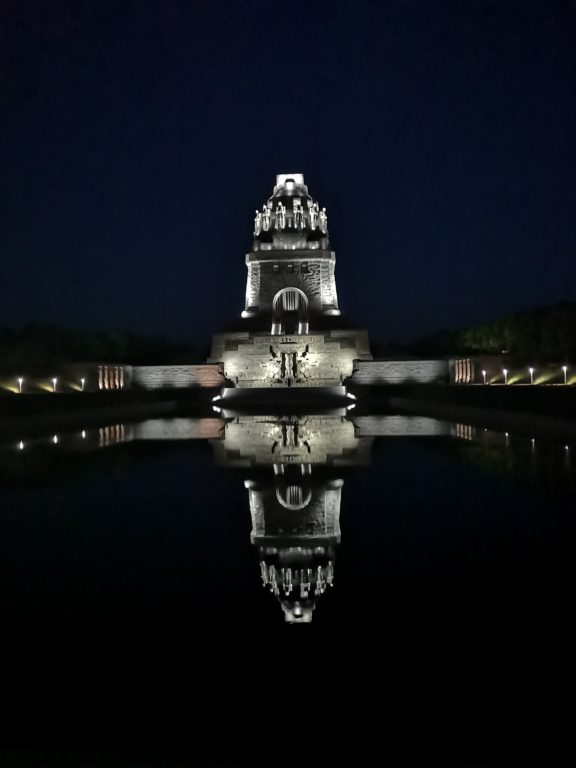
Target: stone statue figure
[
  {"x": 257, "y": 224},
  {"x": 298, "y": 216},
  {"x": 265, "y": 218},
  {"x": 313, "y": 212},
  {"x": 323, "y": 221},
  {"x": 280, "y": 216}
]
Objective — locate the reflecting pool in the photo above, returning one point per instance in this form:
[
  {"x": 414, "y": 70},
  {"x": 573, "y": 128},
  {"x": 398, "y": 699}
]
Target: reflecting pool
[{"x": 145, "y": 564}]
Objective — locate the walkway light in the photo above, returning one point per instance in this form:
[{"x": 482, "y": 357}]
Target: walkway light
[
  {"x": 505, "y": 372},
  {"x": 83, "y": 434},
  {"x": 21, "y": 445},
  {"x": 20, "y": 382},
  {"x": 484, "y": 376},
  {"x": 82, "y": 381},
  {"x": 531, "y": 370},
  {"x": 54, "y": 382},
  {"x": 55, "y": 439},
  {"x": 565, "y": 369}
]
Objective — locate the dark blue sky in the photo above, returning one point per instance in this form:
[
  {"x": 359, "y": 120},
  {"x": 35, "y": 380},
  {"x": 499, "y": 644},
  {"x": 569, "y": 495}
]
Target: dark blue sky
[{"x": 136, "y": 139}]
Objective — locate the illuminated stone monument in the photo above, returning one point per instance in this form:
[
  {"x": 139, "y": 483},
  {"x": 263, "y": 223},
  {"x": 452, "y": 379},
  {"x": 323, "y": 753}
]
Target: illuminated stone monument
[
  {"x": 291, "y": 333},
  {"x": 291, "y": 343}
]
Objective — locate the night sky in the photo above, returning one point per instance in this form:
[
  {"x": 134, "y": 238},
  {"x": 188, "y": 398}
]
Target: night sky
[{"x": 137, "y": 138}]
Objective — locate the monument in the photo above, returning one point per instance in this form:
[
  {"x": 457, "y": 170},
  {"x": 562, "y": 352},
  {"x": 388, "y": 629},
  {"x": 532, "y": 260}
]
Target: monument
[
  {"x": 291, "y": 344},
  {"x": 291, "y": 334}
]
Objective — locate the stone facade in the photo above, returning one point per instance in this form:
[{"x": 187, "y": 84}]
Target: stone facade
[
  {"x": 290, "y": 251},
  {"x": 382, "y": 372},
  {"x": 290, "y": 291},
  {"x": 176, "y": 376},
  {"x": 312, "y": 272},
  {"x": 299, "y": 360}
]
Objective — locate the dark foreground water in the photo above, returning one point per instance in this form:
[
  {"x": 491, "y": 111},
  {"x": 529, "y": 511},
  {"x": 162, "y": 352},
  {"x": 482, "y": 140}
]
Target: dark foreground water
[{"x": 154, "y": 578}]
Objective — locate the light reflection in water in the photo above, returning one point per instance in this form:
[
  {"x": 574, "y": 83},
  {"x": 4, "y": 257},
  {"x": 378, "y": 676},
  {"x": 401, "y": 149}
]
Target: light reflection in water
[
  {"x": 294, "y": 471},
  {"x": 294, "y": 467}
]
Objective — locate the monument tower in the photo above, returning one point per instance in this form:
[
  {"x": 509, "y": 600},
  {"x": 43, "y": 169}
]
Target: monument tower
[{"x": 291, "y": 333}]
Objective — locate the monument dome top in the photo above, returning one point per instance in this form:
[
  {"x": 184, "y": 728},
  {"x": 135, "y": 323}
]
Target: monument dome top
[
  {"x": 290, "y": 184},
  {"x": 290, "y": 218}
]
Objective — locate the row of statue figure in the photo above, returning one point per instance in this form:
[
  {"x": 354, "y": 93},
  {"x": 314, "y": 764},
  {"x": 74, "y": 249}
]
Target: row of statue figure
[
  {"x": 306, "y": 578},
  {"x": 280, "y": 218}
]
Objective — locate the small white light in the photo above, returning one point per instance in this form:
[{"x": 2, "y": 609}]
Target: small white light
[
  {"x": 215, "y": 408},
  {"x": 20, "y": 382},
  {"x": 82, "y": 382},
  {"x": 531, "y": 371},
  {"x": 83, "y": 434},
  {"x": 54, "y": 382},
  {"x": 484, "y": 376},
  {"x": 505, "y": 372},
  {"x": 506, "y": 434},
  {"x": 565, "y": 369},
  {"x": 217, "y": 397},
  {"x": 566, "y": 448},
  {"x": 352, "y": 397},
  {"x": 55, "y": 439},
  {"x": 21, "y": 445}
]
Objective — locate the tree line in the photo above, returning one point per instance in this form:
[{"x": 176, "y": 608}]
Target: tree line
[
  {"x": 544, "y": 334},
  {"x": 39, "y": 346}
]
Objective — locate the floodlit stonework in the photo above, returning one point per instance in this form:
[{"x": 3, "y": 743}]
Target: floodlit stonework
[
  {"x": 291, "y": 253},
  {"x": 307, "y": 360},
  {"x": 291, "y": 333},
  {"x": 177, "y": 376},
  {"x": 291, "y": 337}
]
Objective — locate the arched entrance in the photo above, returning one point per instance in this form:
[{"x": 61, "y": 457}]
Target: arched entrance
[{"x": 290, "y": 311}]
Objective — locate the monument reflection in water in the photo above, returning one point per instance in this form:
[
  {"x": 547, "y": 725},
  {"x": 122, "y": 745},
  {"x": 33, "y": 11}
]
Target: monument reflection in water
[
  {"x": 293, "y": 466},
  {"x": 294, "y": 469}
]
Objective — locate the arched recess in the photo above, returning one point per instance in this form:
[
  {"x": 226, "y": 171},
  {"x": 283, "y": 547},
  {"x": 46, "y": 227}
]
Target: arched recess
[
  {"x": 294, "y": 497},
  {"x": 290, "y": 304}
]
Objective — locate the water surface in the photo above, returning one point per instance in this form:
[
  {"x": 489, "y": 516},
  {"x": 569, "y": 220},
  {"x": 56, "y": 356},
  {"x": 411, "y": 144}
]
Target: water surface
[{"x": 154, "y": 575}]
